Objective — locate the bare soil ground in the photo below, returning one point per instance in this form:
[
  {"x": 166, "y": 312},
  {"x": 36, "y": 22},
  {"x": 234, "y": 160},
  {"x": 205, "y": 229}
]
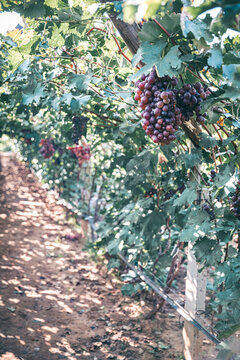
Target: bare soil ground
[{"x": 55, "y": 302}]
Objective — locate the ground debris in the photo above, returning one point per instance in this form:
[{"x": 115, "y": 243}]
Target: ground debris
[{"x": 54, "y": 296}]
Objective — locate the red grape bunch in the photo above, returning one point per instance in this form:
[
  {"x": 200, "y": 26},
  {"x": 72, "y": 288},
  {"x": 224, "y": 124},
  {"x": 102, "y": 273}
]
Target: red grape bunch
[
  {"x": 47, "y": 149},
  {"x": 161, "y": 116},
  {"x": 235, "y": 206},
  {"x": 166, "y": 108},
  {"x": 79, "y": 127},
  {"x": 82, "y": 153}
]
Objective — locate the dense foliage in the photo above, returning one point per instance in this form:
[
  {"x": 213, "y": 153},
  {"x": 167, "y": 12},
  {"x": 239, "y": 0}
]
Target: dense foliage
[{"x": 69, "y": 65}]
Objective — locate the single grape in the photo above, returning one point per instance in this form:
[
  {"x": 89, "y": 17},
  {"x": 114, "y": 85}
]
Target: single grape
[{"x": 157, "y": 112}]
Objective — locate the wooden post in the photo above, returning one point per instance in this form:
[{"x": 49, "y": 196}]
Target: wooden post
[{"x": 195, "y": 295}]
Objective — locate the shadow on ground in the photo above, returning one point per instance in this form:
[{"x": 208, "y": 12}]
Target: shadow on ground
[{"x": 56, "y": 303}]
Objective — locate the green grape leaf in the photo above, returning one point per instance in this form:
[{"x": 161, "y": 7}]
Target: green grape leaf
[
  {"x": 188, "y": 196},
  {"x": 79, "y": 81},
  {"x": 150, "y": 32},
  {"x": 197, "y": 27},
  {"x": 192, "y": 159},
  {"x": 77, "y": 102},
  {"x": 171, "y": 63},
  {"x": 57, "y": 39},
  {"x": 231, "y": 58},
  {"x": 225, "y": 172},
  {"x": 215, "y": 59},
  {"x": 150, "y": 54},
  {"x": 33, "y": 92},
  {"x": 207, "y": 141},
  {"x": 51, "y": 3}
]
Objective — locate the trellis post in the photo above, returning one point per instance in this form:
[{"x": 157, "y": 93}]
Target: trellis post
[{"x": 195, "y": 295}]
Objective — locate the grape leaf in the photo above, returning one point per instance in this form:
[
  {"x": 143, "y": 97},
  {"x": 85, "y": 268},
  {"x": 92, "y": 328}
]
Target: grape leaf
[
  {"x": 52, "y": 3},
  {"x": 171, "y": 63},
  {"x": 78, "y": 101},
  {"x": 57, "y": 39},
  {"x": 231, "y": 58},
  {"x": 187, "y": 197},
  {"x": 225, "y": 171},
  {"x": 207, "y": 141},
  {"x": 32, "y": 93},
  {"x": 197, "y": 27},
  {"x": 215, "y": 59},
  {"x": 150, "y": 32},
  {"x": 150, "y": 54}
]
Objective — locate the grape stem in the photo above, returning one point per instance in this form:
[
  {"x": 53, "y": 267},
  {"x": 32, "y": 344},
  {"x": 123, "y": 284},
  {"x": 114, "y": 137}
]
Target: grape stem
[
  {"x": 120, "y": 51},
  {"x": 104, "y": 118},
  {"x": 233, "y": 143},
  {"x": 173, "y": 271},
  {"x": 214, "y": 159},
  {"x": 213, "y": 152},
  {"x": 182, "y": 146},
  {"x": 200, "y": 175},
  {"x": 66, "y": 21},
  {"x": 220, "y": 111},
  {"x": 97, "y": 92},
  {"x": 160, "y": 252},
  {"x": 221, "y": 139},
  {"x": 226, "y": 252},
  {"x": 165, "y": 31},
  {"x": 72, "y": 59}
]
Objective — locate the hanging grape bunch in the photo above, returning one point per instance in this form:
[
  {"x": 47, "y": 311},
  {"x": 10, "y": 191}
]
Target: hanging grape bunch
[
  {"x": 166, "y": 108},
  {"x": 82, "y": 153},
  {"x": 79, "y": 127},
  {"x": 189, "y": 98},
  {"x": 47, "y": 149},
  {"x": 212, "y": 175},
  {"x": 235, "y": 206},
  {"x": 206, "y": 207}
]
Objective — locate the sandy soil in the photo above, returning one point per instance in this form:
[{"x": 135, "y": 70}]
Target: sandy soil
[{"x": 55, "y": 302}]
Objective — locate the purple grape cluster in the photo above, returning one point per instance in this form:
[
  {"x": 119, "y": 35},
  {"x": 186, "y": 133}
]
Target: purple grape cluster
[
  {"x": 79, "y": 127},
  {"x": 166, "y": 108},
  {"x": 208, "y": 209},
  {"x": 169, "y": 194},
  {"x": 189, "y": 98},
  {"x": 47, "y": 149},
  {"x": 212, "y": 175},
  {"x": 235, "y": 206}
]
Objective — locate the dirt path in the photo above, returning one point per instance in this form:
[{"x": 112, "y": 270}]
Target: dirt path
[{"x": 55, "y": 302}]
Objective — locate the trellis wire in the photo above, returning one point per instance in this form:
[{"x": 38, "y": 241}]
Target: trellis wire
[
  {"x": 174, "y": 304},
  {"x": 178, "y": 293}
]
